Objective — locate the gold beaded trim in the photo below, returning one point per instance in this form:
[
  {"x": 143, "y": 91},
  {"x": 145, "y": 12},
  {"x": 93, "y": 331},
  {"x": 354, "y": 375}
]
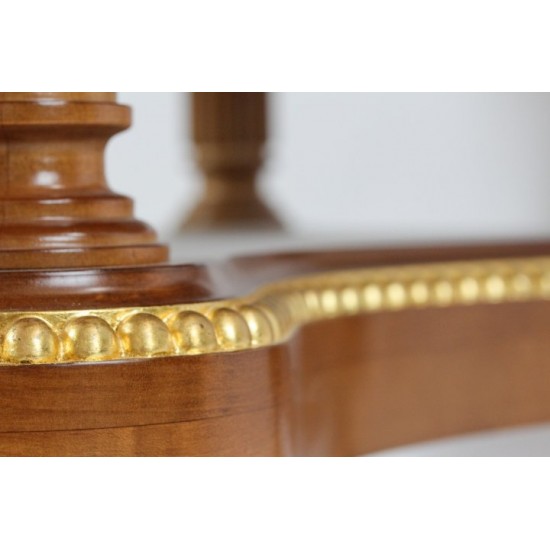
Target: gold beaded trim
[{"x": 267, "y": 317}]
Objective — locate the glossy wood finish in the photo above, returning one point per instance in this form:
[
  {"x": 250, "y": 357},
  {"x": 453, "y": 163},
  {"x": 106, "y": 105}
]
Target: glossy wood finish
[
  {"x": 340, "y": 387},
  {"x": 229, "y": 132},
  {"x": 413, "y": 376},
  {"x": 344, "y": 386},
  {"x": 56, "y": 209},
  {"x": 55, "y": 289}
]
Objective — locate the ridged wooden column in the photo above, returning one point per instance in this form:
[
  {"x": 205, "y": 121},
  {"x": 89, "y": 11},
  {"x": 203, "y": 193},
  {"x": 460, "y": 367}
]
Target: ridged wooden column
[
  {"x": 229, "y": 133},
  {"x": 56, "y": 209}
]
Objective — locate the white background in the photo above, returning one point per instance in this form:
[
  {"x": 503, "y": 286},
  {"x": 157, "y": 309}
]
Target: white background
[{"x": 437, "y": 165}]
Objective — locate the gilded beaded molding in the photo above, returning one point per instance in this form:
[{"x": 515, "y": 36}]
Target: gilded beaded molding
[{"x": 267, "y": 317}]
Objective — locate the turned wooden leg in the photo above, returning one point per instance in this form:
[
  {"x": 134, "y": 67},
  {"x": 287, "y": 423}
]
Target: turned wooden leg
[
  {"x": 229, "y": 132},
  {"x": 56, "y": 209}
]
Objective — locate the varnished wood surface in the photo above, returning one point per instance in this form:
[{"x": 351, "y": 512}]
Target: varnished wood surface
[
  {"x": 56, "y": 209},
  {"x": 420, "y": 375},
  {"x": 344, "y": 386},
  {"x": 341, "y": 387},
  {"x": 54, "y": 289}
]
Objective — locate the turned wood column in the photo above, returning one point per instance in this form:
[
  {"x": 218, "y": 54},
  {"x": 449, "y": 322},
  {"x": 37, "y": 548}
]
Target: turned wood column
[
  {"x": 229, "y": 133},
  {"x": 56, "y": 209}
]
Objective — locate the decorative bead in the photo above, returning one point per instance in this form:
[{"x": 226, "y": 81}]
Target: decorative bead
[
  {"x": 350, "y": 299},
  {"x": 329, "y": 302},
  {"x": 193, "y": 333},
  {"x": 298, "y": 307},
  {"x": 372, "y": 296},
  {"x": 269, "y": 317},
  {"x": 495, "y": 288},
  {"x": 521, "y": 285},
  {"x": 89, "y": 338},
  {"x": 273, "y": 320},
  {"x": 420, "y": 293},
  {"x": 231, "y": 329},
  {"x": 396, "y": 296},
  {"x": 30, "y": 340},
  {"x": 313, "y": 304},
  {"x": 468, "y": 289},
  {"x": 259, "y": 326},
  {"x": 443, "y": 293},
  {"x": 145, "y": 335}
]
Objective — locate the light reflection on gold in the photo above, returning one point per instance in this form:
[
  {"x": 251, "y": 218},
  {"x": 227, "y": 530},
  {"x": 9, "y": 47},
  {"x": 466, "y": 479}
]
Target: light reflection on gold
[
  {"x": 267, "y": 317},
  {"x": 89, "y": 338},
  {"x": 193, "y": 333},
  {"x": 30, "y": 340},
  {"x": 144, "y": 335},
  {"x": 231, "y": 329}
]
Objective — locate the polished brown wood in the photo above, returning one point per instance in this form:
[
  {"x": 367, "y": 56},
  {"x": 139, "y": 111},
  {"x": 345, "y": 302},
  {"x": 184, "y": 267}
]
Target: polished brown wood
[
  {"x": 229, "y": 133},
  {"x": 415, "y": 376},
  {"x": 344, "y": 386},
  {"x": 58, "y": 289},
  {"x": 341, "y": 386},
  {"x": 56, "y": 209}
]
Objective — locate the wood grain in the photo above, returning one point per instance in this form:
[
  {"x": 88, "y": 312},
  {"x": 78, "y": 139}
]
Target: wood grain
[
  {"x": 345, "y": 386},
  {"x": 341, "y": 386}
]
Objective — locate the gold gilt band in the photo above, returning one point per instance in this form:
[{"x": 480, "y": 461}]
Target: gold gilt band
[{"x": 267, "y": 317}]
